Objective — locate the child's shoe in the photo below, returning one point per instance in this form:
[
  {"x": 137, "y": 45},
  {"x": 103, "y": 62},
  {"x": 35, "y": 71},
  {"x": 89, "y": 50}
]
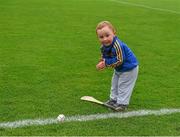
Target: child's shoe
[
  {"x": 110, "y": 102},
  {"x": 120, "y": 107}
]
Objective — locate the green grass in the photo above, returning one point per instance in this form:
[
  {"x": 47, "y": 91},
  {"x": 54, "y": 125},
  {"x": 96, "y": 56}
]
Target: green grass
[{"x": 48, "y": 53}]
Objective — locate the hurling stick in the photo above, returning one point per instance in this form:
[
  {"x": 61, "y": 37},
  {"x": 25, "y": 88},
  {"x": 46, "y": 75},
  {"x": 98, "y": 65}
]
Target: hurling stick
[{"x": 91, "y": 99}]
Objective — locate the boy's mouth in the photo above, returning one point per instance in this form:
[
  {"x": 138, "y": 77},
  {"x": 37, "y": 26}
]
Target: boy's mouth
[{"x": 107, "y": 43}]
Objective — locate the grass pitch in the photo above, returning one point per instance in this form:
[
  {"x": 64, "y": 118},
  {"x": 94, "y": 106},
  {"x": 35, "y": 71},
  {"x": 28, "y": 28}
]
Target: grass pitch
[{"x": 48, "y": 53}]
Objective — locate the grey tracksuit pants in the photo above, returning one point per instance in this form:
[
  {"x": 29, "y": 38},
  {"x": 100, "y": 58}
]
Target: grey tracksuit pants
[{"x": 122, "y": 85}]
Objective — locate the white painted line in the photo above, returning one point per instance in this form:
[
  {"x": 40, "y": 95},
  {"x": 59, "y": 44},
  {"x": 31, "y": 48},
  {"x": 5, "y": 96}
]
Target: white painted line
[
  {"x": 147, "y": 7},
  {"x": 36, "y": 122}
]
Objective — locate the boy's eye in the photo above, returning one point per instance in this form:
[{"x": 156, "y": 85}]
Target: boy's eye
[
  {"x": 101, "y": 37},
  {"x": 107, "y": 35}
]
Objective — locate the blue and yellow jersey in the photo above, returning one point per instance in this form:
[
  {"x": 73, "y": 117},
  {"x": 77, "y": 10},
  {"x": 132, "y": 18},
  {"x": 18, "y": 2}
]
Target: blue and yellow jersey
[{"x": 119, "y": 56}]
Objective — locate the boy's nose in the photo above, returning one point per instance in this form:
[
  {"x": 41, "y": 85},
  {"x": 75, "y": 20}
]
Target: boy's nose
[{"x": 105, "y": 39}]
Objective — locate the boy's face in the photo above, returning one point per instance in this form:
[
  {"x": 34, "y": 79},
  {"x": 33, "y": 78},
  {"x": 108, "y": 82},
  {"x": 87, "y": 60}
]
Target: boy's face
[{"x": 105, "y": 35}]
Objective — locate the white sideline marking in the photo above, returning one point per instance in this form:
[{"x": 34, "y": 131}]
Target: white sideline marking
[
  {"x": 147, "y": 7},
  {"x": 36, "y": 122}
]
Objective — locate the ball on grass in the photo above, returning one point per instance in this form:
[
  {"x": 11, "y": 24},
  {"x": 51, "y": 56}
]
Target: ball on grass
[{"x": 61, "y": 118}]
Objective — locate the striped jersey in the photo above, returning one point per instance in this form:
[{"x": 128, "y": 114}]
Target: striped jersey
[{"x": 119, "y": 56}]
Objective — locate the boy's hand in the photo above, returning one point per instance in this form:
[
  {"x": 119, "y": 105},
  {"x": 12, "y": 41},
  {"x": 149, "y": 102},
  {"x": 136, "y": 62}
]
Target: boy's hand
[{"x": 100, "y": 65}]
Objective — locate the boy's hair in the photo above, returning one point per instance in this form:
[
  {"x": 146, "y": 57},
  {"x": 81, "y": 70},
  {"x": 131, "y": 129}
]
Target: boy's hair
[{"x": 102, "y": 24}]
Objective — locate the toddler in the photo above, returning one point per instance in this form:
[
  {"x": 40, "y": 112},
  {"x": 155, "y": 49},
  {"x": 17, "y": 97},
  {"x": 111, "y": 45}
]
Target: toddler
[{"x": 117, "y": 55}]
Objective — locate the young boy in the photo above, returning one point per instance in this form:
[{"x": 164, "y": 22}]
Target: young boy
[{"x": 117, "y": 55}]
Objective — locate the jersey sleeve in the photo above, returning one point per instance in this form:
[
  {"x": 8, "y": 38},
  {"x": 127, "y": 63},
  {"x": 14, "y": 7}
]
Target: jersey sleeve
[{"x": 117, "y": 59}]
